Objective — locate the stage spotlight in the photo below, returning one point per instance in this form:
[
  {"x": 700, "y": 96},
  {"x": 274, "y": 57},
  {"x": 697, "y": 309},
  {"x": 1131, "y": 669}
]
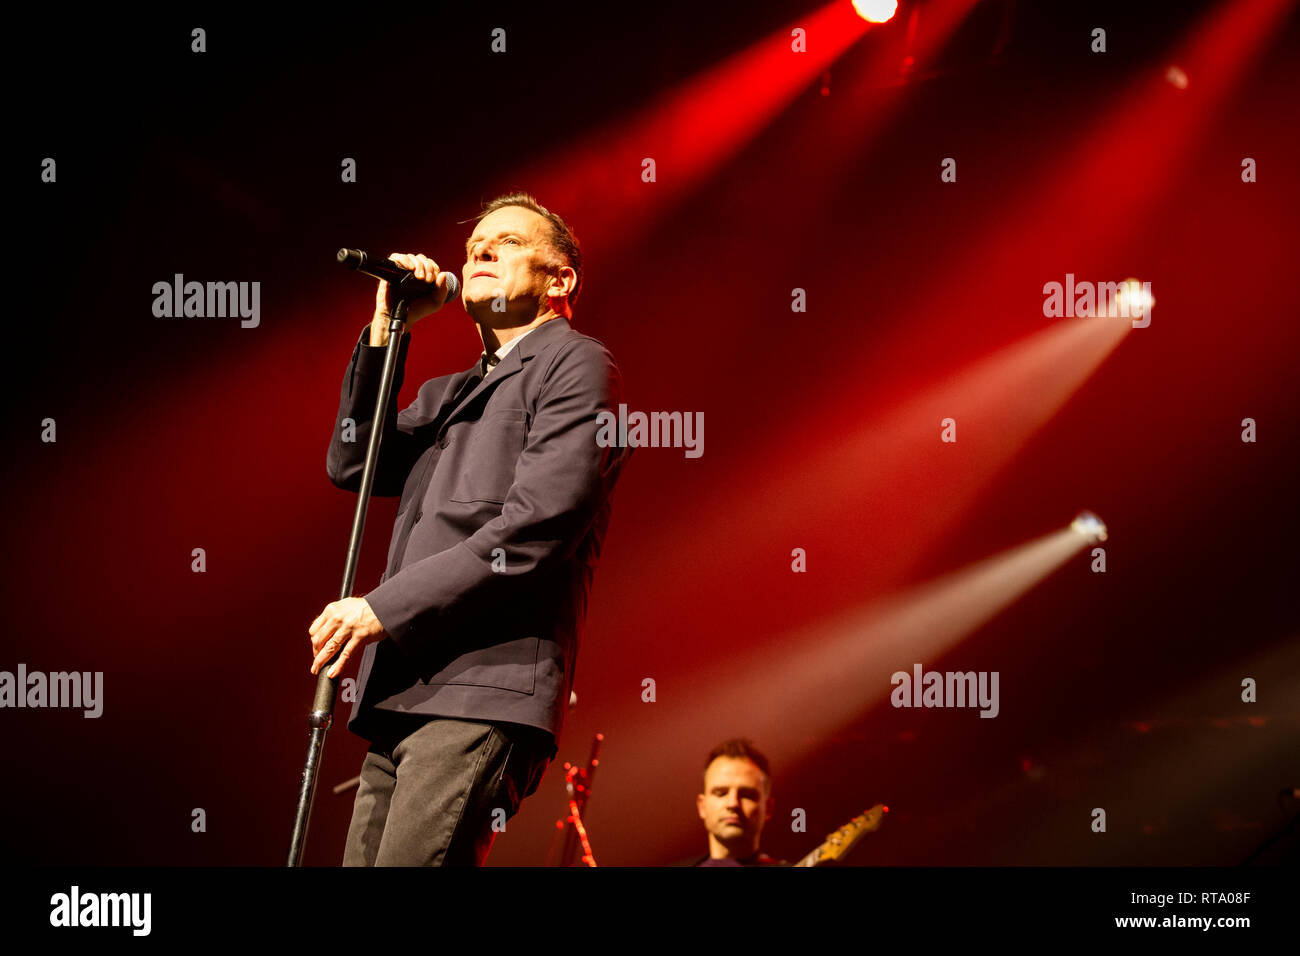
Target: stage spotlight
[
  {"x": 1090, "y": 526},
  {"x": 876, "y": 11},
  {"x": 1134, "y": 298}
]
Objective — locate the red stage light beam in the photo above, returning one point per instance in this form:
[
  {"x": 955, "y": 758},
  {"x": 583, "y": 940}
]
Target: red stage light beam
[{"x": 690, "y": 133}]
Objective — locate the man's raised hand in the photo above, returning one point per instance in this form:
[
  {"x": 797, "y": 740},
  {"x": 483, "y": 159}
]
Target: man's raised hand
[{"x": 426, "y": 270}]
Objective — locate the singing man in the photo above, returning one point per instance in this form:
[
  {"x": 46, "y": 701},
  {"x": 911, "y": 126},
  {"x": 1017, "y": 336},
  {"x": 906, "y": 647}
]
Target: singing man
[{"x": 468, "y": 645}]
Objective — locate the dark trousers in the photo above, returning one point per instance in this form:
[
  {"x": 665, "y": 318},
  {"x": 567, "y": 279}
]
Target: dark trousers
[{"x": 436, "y": 791}]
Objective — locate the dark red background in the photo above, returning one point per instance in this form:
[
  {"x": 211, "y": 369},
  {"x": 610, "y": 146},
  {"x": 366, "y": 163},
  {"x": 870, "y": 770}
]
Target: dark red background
[{"x": 1118, "y": 690}]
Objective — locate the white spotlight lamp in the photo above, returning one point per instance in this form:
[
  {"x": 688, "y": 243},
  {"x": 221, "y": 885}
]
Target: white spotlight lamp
[{"x": 1090, "y": 526}]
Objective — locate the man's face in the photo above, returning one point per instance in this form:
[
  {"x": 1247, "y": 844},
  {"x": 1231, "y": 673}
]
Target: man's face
[
  {"x": 507, "y": 256},
  {"x": 733, "y": 806}
]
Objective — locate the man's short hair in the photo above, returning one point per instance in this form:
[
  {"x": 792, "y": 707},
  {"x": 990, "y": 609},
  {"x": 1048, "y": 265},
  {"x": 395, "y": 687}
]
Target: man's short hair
[
  {"x": 563, "y": 242},
  {"x": 741, "y": 748}
]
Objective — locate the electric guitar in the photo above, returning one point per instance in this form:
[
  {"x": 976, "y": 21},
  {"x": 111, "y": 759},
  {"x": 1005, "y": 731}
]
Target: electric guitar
[{"x": 842, "y": 840}]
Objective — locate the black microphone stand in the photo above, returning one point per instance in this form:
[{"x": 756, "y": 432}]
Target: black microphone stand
[{"x": 322, "y": 711}]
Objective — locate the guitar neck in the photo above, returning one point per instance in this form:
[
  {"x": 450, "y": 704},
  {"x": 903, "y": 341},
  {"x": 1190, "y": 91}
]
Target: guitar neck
[
  {"x": 811, "y": 859},
  {"x": 843, "y": 839}
]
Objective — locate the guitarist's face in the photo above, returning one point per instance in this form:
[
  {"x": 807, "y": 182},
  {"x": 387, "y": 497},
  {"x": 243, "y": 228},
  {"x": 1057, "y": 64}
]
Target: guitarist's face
[{"x": 734, "y": 805}]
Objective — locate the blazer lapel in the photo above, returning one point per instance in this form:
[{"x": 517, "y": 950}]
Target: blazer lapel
[
  {"x": 508, "y": 366},
  {"x": 457, "y": 389}
]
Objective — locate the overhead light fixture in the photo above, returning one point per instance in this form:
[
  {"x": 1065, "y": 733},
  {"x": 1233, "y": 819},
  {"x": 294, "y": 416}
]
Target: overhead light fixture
[
  {"x": 1090, "y": 526},
  {"x": 876, "y": 11}
]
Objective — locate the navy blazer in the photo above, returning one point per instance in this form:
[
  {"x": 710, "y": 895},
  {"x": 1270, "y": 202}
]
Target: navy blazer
[{"x": 505, "y": 500}]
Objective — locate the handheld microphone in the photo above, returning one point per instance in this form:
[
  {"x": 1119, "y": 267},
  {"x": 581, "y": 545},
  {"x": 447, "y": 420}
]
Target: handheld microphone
[{"x": 409, "y": 287}]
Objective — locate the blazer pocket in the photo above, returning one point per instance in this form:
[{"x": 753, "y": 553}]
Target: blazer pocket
[
  {"x": 511, "y": 665},
  {"x": 489, "y": 456}
]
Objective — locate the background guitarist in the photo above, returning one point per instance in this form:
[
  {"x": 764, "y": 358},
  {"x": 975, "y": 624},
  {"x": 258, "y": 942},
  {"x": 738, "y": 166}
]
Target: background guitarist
[{"x": 735, "y": 803}]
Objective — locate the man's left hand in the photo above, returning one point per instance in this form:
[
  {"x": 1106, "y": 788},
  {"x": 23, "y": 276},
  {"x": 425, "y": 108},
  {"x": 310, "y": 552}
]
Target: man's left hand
[{"x": 350, "y": 624}]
